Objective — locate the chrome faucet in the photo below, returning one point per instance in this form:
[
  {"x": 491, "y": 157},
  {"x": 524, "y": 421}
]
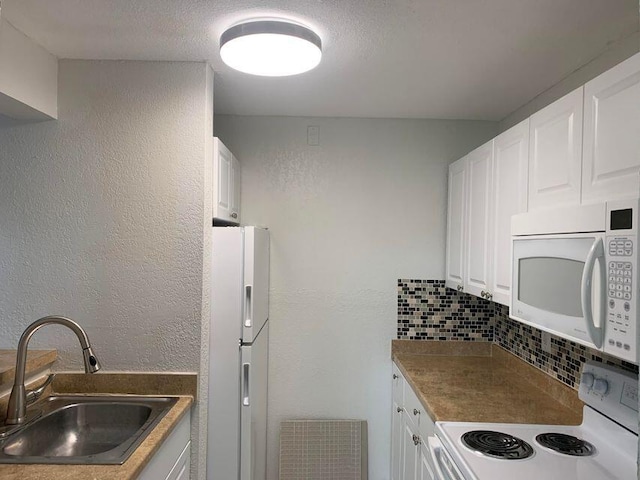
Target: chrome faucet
[{"x": 17, "y": 407}]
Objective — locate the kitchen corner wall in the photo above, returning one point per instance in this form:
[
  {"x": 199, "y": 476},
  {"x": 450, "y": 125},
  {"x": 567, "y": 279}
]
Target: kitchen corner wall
[
  {"x": 615, "y": 53},
  {"x": 427, "y": 310},
  {"x": 102, "y": 219},
  {"x": 346, "y": 218}
]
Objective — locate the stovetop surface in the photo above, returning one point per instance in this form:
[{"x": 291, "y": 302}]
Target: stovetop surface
[{"x": 614, "y": 457}]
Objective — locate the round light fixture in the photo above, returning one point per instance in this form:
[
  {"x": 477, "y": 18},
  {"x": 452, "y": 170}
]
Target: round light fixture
[{"x": 270, "y": 48}]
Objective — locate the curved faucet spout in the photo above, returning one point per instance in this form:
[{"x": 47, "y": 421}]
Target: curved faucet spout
[{"x": 17, "y": 407}]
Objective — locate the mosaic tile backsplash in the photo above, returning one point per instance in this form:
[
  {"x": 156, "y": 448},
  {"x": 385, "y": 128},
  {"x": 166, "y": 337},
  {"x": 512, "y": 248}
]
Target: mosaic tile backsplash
[{"x": 427, "y": 310}]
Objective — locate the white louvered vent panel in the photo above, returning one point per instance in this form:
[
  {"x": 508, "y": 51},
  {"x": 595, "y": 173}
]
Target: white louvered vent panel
[{"x": 323, "y": 450}]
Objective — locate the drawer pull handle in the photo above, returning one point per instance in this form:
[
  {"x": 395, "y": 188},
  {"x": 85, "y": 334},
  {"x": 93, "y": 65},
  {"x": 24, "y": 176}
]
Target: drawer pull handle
[
  {"x": 399, "y": 409},
  {"x": 416, "y": 440},
  {"x": 416, "y": 411},
  {"x": 395, "y": 376}
]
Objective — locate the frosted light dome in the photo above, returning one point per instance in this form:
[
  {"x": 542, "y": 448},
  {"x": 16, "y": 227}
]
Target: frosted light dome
[{"x": 270, "y": 48}]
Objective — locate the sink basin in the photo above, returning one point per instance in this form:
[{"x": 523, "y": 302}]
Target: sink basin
[{"x": 85, "y": 430}]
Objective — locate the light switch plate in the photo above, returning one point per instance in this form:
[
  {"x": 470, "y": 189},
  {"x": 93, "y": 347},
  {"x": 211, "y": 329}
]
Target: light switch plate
[{"x": 313, "y": 136}]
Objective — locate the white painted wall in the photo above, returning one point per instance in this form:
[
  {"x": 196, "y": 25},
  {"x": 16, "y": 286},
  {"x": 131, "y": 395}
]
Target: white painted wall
[
  {"x": 347, "y": 219},
  {"x": 102, "y": 216},
  {"x": 613, "y": 55}
]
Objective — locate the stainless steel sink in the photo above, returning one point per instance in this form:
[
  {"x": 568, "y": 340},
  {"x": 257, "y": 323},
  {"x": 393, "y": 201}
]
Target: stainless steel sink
[{"x": 77, "y": 429}]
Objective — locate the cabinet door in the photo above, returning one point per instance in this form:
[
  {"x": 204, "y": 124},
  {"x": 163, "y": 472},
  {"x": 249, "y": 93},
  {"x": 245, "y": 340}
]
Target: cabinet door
[
  {"x": 555, "y": 153},
  {"x": 396, "y": 441},
  {"x": 173, "y": 456},
  {"x": 426, "y": 471},
  {"x": 510, "y": 164},
  {"x": 478, "y": 252},
  {"x": 611, "y": 158},
  {"x": 180, "y": 470},
  {"x": 235, "y": 189},
  {"x": 222, "y": 187},
  {"x": 397, "y": 414},
  {"x": 410, "y": 452},
  {"x": 456, "y": 224}
]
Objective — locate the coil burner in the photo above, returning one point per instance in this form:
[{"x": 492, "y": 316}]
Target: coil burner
[
  {"x": 566, "y": 444},
  {"x": 497, "y": 445}
]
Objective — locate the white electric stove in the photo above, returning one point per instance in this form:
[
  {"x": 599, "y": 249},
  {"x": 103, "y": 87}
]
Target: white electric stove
[{"x": 604, "y": 447}]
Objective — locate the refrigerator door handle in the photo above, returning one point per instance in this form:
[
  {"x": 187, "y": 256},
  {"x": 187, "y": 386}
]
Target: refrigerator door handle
[
  {"x": 248, "y": 306},
  {"x": 245, "y": 384}
]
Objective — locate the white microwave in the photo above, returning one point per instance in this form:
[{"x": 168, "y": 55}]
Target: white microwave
[{"x": 575, "y": 274}]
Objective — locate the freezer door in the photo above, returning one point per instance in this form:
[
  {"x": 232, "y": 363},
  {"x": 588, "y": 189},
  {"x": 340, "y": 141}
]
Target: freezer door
[
  {"x": 253, "y": 407},
  {"x": 256, "y": 282}
]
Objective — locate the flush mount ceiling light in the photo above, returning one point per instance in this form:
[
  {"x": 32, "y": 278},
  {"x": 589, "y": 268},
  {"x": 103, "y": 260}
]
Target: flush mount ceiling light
[{"x": 270, "y": 48}]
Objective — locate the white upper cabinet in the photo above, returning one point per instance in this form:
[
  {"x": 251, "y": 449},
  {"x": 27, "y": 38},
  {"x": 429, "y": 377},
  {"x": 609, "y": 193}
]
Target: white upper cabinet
[
  {"x": 226, "y": 184},
  {"x": 456, "y": 219},
  {"x": 478, "y": 251},
  {"x": 235, "y": 189},
  {"x": 509, "y": 192},
  {"x": 486, "y": 188},
  {"x": 28, "y": 77},
  {"x": 555, "y": 150},
  {"x": 611, "y": 158}
]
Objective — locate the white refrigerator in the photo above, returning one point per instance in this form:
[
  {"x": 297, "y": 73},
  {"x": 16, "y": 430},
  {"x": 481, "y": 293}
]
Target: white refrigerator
[{"x": 238, "y": 356}]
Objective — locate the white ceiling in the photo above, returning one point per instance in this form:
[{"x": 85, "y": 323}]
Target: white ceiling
[{"x": 472, "y": 59}]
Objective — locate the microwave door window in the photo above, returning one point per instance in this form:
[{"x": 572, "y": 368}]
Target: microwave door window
[{"x": 551, "y": 284}]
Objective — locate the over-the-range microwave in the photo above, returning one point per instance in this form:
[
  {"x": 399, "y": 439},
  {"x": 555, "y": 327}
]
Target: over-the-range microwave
[{"x": 575, "y": 274}]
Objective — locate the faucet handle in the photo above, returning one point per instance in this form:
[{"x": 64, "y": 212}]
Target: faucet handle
[{"x": 36, "y": 393}]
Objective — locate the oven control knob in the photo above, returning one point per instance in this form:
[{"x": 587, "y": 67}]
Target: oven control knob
[
  {"x": 601, "y": 386},
  {"x": 587, "y": 380}
]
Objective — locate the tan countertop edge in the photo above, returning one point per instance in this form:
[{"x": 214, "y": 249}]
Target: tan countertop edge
[
  {"x": 36, "y": 360},
  {"x": 541, "y": 385},
  {"x": 130, "y": 470}
]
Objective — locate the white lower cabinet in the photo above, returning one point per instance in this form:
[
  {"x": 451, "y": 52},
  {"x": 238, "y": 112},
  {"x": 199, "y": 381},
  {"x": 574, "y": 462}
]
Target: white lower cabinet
[
  {"x": 411, "y": 448},
  {"x": 410, "y": 427},
  {"x": 397, "y": 415},
  {"x": 426, "y": 469},
  {"x": 173, "y": 460}
]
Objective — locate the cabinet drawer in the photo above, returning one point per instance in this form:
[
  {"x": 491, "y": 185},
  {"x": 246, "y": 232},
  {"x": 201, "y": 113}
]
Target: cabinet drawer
[{"x": 412, "y": 406}]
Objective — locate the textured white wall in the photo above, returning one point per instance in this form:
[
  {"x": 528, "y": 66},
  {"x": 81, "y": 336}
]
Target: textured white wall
[
  {"x": 347, "y": 219},
  {"x": 102, "y": 216}
]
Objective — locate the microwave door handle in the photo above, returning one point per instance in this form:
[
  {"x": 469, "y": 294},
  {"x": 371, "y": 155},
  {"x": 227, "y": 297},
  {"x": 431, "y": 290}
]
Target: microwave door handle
[{"x": 596, "y": 253}]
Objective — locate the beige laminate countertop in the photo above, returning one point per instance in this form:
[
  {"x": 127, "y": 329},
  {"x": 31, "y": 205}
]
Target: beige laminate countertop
[
  {"x": 485, "y": 384},
  {"x": 36, "y": 360},
  {"x": 110, "y": 384}
]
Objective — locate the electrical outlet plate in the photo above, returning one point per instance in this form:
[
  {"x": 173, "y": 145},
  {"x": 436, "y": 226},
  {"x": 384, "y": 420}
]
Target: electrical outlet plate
[{"x": 313, "y": 136}]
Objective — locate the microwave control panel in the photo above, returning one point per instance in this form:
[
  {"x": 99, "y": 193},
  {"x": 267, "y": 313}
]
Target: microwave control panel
[{"x": 621, "y": 254}]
